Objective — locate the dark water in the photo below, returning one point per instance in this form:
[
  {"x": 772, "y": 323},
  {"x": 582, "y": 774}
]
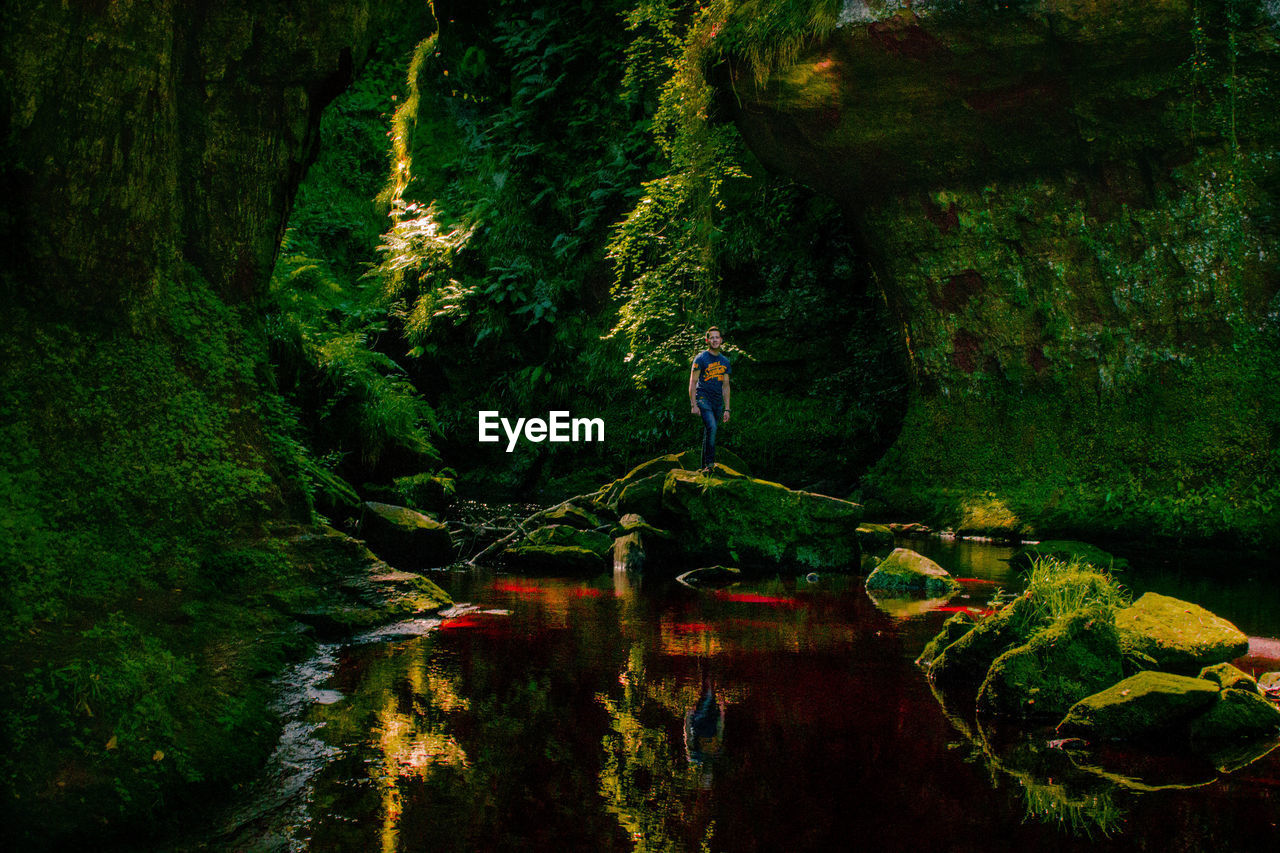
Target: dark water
[{"x": 781, "y": 715}]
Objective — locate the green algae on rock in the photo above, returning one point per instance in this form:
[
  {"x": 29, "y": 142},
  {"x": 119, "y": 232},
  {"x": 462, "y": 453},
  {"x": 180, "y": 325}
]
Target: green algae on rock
[
  {"x": 905, "y": 570},
  {"x": 1141, "y": 707},
  {"x": 1179, "y": 635},
  {"x": 1237, "y": 715},
  {"x": 953, "y": 629},
  {"x": 406, "y": 537},
  {"x": 971, "y": 655},
  {"x": 1066, "y": 550},
  {"x": 566, "y": 534},
  {"x": 1076, "y": 656},
  {"x": 761, "y": 524}
]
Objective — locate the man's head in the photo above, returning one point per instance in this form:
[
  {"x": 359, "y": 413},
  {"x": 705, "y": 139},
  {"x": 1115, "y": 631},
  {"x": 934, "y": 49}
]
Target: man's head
[{"x": 714, "y": 338}]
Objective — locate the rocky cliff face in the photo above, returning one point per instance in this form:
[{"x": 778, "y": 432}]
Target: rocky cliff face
[
  {"x": 1071, "y": 208},
  {"x": 140, "y": 135}
]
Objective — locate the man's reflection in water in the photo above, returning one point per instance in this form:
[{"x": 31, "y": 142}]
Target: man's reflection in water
[{"x": 704, "y": 730}]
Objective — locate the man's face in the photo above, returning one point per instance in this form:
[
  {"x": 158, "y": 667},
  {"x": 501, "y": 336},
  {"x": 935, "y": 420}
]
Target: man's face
[{"x": 714, "y": 340}]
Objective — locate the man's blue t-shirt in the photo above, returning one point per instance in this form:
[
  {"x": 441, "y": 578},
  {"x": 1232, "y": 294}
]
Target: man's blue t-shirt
[{"x": 713, "y": 372}]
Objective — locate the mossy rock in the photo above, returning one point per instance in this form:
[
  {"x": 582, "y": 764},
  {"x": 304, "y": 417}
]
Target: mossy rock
[
  {"x": 970, "y": 657},
  {"x": 907, "y": 571},
  {"x": 758, "y": 524},
  {"x": 1227, "y": 676},
  {"x": 1180, "y": 636},
  {"x": 658, "y": 465},
  {"x": 711, "y": 576},
  {"x": 1075, "y": 657},
  {"x": 691, "y": 460},
  {"x": 643, "y": 496},
  {"x": 1269, "y": 683},
  {"x": 405, "y": 537},
  {"x": 1141, "y": 707},
  {"x": 953, "y": 629},
  {"x": 554, "y": 559},
  {"x": 1237, "y": 715},
  {"x": 875, "y": 538},
  {"x": 566, "y": 534},
  {"x": 426, "y": 492},
  {"x": 574, "y": 516},
  {"x": 1067, "y": 550}
]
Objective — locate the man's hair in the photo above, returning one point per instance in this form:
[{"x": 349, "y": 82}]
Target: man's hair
[{"x": 714, "y": 329}]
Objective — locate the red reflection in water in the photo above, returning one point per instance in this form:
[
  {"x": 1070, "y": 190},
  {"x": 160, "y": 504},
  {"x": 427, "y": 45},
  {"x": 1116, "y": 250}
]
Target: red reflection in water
[
  {"x": 518, "y": 588},
  {"x": 755, "y": 598},
  {"x": 953, "y": 608},
  {"x": 976, "y": 580},
  {"x": 691, "y": 627}
]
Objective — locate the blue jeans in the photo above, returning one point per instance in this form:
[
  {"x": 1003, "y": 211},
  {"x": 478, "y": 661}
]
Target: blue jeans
[{"x": 711, "y": 416}]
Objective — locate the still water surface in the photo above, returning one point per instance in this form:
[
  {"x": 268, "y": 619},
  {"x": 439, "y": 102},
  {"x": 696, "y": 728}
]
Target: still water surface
[{"x": 557, "y": 714}]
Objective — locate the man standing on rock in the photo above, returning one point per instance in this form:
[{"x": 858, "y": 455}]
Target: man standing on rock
[{"x": 709, "y": 394}]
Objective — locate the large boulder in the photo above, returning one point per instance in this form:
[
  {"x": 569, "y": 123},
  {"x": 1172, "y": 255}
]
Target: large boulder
[
  {"x": 907, "y": 571},
  {"x": 1178, "y": 635},
  {"x": 554, "y": 559},
  {"x": 758, "y": 524},
  {"x": 953, "y": 629},
  {"x": 1237, "y": 715},
  {"x": 875, "y": 538},
  {"x": 1141, "y": 707},
  {"x": 1075, "y": 657},
  {"x": 566, "y": 534},
  {"x": 405, "y": 537},
  {"x": 971, "y": 655}
]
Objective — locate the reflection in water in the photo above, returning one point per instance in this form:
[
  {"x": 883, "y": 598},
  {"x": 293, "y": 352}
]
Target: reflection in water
[{"x": 595, "y": 715}]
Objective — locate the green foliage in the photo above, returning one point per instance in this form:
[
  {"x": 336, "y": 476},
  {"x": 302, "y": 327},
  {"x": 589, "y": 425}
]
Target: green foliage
[
  {"x": 1057, "y": 589},
  {"x": 356, "y": 408}
]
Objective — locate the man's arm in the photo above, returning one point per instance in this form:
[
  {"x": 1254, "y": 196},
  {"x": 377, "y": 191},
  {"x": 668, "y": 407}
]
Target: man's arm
[
  {"x": 726, "y": 398},
  {"x": 693, "y": 387}
]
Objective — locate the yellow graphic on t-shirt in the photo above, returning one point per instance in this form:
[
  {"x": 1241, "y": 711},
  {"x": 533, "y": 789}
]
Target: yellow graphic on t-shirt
[{"x": 715, "y": 370}]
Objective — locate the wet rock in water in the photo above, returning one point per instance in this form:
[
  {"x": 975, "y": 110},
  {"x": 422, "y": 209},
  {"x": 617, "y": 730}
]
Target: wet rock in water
[
  {"x": 566, "y": 534},
  {"x": 554, "y": 559},
  {"x": 1066, "y": 550},
  {"x": 1225, "y": 675},
  {"x": 1075, "y": 657},
  {"x": 905, "y": 570},
  {"x": 1180, "y": 636},
  {"x": 711, "y": 576},
  {"x": 758, "y": 524},
  {"x": 1237, "y": 715},
  {"x": 1141, "y": 707},
  {"x": 1269, "y": 684},
  {"x": 970, "y": 656},
  {"x": 405, "y": 537},
  {"x": 909, "y": 528},
  {"x": 637, "y": 543},
  {"x": 875, "y": 538},
  {"x": 953, "y": 629},
  {"x": 362, "y": 591}
]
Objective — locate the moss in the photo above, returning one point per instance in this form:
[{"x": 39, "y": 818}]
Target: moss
[
  {"x": 1237, "y": 715},
  {"x": 1076, "y": 656},
  {"x": 1225, "y": 675},
  {"x": 1179, "y": 635},
  {"x": 565, "y": 534},
  {"x": 761, "y": 524},
  {"x": 554, "y": 559},
  {"x": 953, "y": 629},
  {"x": 969, "y": 657},
  {"x": 1142, "y": 707},
  {"x": 905, "y": 570},
  {"x": 1065, "y": 550},
  {"x": 875, "y": 538}
]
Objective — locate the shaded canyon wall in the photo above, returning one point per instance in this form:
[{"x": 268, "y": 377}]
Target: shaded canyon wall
[{"x": 1071, "y": 209}]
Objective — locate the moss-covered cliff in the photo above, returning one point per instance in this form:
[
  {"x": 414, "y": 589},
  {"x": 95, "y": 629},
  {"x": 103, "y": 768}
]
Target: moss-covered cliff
[
  {"x": 1071, "y": 209},
  {"x": 150, "y": 155}
]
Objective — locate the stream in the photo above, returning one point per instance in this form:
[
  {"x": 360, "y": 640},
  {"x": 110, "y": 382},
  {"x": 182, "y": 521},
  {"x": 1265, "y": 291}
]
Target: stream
[{"x": 783, "y": 714}]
